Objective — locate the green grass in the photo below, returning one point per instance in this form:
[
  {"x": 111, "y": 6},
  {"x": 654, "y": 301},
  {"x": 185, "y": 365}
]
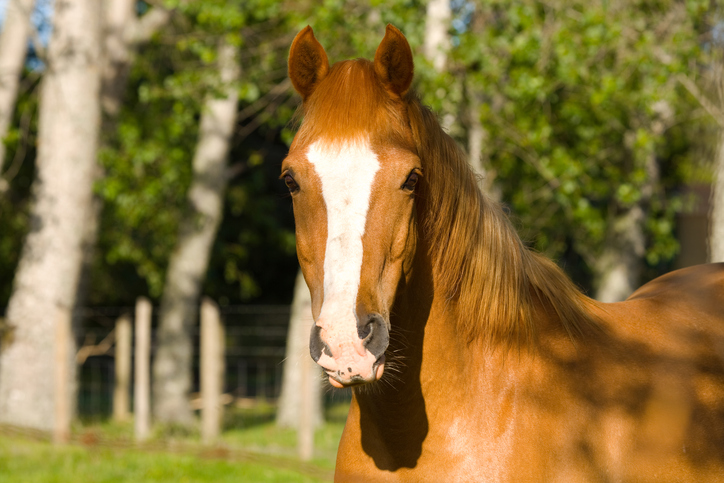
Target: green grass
[
  {"x": 251, "y": 449},
  {"x": 26, "y": 461}
]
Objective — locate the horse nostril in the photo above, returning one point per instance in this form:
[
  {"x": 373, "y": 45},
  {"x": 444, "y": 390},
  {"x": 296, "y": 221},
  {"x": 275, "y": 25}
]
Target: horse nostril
[
  {"x": 375, "y": 334},
  {"x": 316, "y": 345},
  {"x": 363, "y": 331}
]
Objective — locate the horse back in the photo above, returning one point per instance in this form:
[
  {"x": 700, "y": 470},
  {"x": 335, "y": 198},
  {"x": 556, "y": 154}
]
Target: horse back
[
  {"x": 664, "y": 353},
  {"x": 699, "y": 289}
]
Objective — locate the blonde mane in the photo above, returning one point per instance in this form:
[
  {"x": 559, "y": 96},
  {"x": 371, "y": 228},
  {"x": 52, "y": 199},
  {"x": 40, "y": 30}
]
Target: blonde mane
[{"x": 478, "y": 259}]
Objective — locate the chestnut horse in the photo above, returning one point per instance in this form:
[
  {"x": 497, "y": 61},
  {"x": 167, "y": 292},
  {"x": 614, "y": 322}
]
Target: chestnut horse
[{"x": 486, "y": 362}]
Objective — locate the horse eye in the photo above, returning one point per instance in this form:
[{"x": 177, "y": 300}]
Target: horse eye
[
  {"x": 291, "y": 184},
  {"x": 411, "y": 181}
]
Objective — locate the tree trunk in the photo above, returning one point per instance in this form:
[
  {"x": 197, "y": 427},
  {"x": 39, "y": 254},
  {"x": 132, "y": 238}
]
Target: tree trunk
[
  {"x": 437, "y": 38},
  {"x": 13, "y": 49},
  {"x": 478, "y": 137},
  {"x": 477, "y": 148},
  {"x": 619, "y": 267},
  {"x": 300, "y": 326},
  {"x": 48, "y": 272},
  {"x": 618, "y": 270},
  {"x": 436, "y": 47},
  {"x": 716, "y": 219},
  {"x": 189, "y": 261},
  {"x": 123, "y": 32}
]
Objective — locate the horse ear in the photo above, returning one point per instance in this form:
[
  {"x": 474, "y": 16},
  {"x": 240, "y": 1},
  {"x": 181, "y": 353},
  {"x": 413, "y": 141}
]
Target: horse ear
[
  {"x": 308, "y": 62},
  {"x": 393, "y": 62}
]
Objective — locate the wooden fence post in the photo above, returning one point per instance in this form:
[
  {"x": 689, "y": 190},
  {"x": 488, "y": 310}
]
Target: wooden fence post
[
  {"x": 305, "y": 433},
  {"x": 123, "y": 368},
  {"x": 142, "y": 382},
  {"x": 212, "y": 370}
]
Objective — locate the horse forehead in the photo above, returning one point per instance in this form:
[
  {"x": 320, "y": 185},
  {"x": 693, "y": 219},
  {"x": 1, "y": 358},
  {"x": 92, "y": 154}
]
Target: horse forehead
[{"x": 345, "y": 166}]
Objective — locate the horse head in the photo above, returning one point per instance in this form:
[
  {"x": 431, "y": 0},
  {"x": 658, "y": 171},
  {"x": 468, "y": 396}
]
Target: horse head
[{"x": 352, "y": 172}]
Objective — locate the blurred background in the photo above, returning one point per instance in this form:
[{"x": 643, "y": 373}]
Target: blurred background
[{"x": 153, "y": 325}]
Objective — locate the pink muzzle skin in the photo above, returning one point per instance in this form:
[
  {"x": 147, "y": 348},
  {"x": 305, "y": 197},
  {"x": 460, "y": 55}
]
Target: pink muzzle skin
[{"x": 345, "y": 358}]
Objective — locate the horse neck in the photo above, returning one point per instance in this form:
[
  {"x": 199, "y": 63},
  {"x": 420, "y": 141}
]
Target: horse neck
[{"x": 434, "y": 377}]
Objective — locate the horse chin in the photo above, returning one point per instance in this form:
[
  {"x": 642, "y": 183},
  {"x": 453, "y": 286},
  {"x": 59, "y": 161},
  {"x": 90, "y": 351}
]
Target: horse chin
[{"x": 377, "y": 370}]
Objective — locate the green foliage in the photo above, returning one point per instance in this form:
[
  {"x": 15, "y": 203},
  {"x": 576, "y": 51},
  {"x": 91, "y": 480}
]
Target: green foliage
[
  {"x": 19, "y": 171},
  {"x": 148, "y": 158},
  {"x": 581, "y": 99},
  {"x": 148, "y": 165},
  {"x": 582, "y": 105}
]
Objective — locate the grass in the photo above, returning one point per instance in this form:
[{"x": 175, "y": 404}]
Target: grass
[{"x": 253, "y": 449}]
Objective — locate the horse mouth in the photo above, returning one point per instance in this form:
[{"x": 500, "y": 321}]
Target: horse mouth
[{"x": 341, "y": 379}]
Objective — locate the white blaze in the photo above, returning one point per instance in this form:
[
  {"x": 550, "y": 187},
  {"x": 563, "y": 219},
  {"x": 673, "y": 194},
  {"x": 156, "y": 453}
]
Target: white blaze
[{"x": 347, "y": 173}]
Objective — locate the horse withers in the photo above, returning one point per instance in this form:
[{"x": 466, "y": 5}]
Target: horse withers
[{"x": 472, "y": 358}]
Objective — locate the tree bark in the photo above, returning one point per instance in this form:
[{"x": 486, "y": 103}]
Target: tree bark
[
  {"x": 477, "y": 149},
  {"x": 619, "y": 267},
  {"x": 122, "y": 34},
  {"x": 437, "y": 38},
  {"x": 478, "y": 137},
  {"x": 13, "y": 50},
  {"x": 189, "y": 261},
  {"x": 290, "y": 402},
  {"x": 48, "y": 272}
]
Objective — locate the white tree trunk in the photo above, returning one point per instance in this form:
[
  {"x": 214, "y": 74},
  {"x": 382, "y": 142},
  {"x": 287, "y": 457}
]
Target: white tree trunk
[
  {"x": 477, "y": 146},
  {"x": 189, "y": 261},
  {"x": 437, "y": 38},
  {"x": 47, "y": 275},
  {"x": 13, "y": 49},
  {"x": 122, "y": 33},
  {"x": 297, "y": 353},
  {"x": 716, "y": 219},
  {"x": 118, "y": 44},
  {"x": 619, "y": 267}
]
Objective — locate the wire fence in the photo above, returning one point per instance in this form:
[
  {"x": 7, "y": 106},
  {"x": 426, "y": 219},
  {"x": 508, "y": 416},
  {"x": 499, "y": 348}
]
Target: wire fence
[{"x": 255, "y": 343}]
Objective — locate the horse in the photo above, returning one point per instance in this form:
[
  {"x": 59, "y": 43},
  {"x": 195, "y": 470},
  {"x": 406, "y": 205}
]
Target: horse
[{"x": 470, "y": 356}]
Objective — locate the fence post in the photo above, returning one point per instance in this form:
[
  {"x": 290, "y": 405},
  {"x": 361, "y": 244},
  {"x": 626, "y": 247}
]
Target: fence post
[
  {"x": 305, "y": 433},
  {"x": 212, "y": 370},
  {"x": 142, "y": 382},
  {"x": 123, "y": 368},
  {"x": 61, "y": 430}
]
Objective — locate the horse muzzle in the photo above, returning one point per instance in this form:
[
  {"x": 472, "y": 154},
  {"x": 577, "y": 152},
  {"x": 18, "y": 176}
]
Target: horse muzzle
[{"x": 351, "y": 352}]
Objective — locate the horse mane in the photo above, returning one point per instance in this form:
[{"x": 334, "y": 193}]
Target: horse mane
[
  {"x": 479, "y": 261},
  {"x": 478, "y": 258}
]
